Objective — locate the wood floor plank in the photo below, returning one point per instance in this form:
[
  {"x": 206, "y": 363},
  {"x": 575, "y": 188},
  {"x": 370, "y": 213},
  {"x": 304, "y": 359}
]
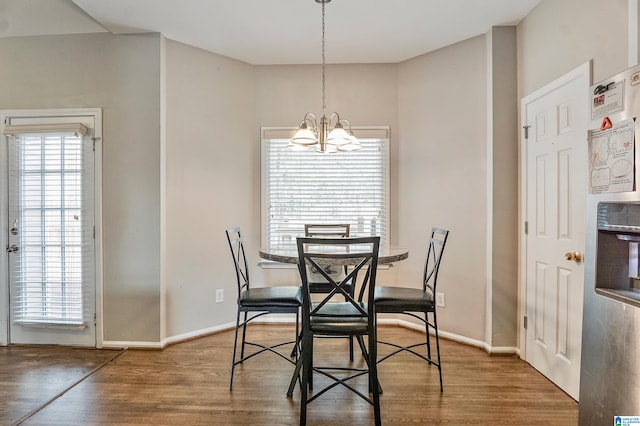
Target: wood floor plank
[
  {"x": 30, "y": 376},
  {"x": 187, "y": 384}
]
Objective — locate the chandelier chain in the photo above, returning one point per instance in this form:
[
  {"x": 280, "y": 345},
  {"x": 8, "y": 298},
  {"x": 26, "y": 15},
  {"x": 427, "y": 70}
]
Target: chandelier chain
[
  {"x": 324, "y": 104},
  {"x": 326, "y": 134}
]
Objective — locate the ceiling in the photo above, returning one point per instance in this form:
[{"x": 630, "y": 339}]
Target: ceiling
[{"x": 266, "y": 32}]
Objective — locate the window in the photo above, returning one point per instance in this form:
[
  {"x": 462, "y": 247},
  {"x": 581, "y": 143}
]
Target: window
[
  {"x": 51, "y": 221},
  {"x": 51, "y": 186},
  {"x": 301, "y": 187}
]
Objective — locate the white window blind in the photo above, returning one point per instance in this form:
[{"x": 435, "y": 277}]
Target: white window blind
[
  {"x": 51, "y": 222},
  {"x": 301, "y": 187}
]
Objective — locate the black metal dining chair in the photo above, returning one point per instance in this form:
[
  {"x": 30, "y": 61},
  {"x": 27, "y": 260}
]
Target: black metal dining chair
[
  {"x": 258, "y": 301},
  {"x": 338, "y": 313},
  {"x": 417, "y": 301},
  {"x": 317, "y": 283}
]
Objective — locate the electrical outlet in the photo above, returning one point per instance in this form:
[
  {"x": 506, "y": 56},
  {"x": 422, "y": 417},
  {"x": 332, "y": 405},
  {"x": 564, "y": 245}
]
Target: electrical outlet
[
  {"x": 219, "y": 296},
  {"x": 440, "y": 300}
]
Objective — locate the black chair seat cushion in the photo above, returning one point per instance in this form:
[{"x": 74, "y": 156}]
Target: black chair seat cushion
[
  {"x": 398, "y": 299},
  {"x": 339, "y": 319},
  {"x": 280, "y": 296}
]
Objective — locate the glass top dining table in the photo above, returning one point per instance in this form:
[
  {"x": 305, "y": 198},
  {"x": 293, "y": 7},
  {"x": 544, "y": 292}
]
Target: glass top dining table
[{"x": 385, "y": 256}]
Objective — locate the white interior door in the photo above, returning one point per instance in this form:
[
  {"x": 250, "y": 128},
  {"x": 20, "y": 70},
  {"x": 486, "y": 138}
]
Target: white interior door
[
  {"x": 51, "y": 226},
  {"x": 556, "y": 187}
]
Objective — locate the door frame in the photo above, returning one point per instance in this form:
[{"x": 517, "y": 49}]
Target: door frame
[
  {"x": 582, "y": 71},
  {"x": 4, "y": 218}
]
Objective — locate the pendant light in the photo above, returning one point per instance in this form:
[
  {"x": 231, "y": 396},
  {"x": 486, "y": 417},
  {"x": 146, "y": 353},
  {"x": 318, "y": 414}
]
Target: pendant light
[{"x": 330, "y": 135}]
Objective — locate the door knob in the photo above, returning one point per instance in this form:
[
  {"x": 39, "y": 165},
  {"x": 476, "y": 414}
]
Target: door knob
[{"x": 576, "y": 256}]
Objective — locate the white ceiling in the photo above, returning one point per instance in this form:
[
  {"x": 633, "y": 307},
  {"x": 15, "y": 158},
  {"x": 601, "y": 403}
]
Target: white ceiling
[{"x": 264, "y": 32}]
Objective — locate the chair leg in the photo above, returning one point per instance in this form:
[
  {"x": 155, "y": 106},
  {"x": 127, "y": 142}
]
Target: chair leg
[
  {"x": 363, "y": 349},
  {"x": 297, "y": 350},
  {"x": 294, "y": 350},
  {"x": 244, "y": 336},
  {"x": 295, "y": 377},
  {"x": 367, "y": 358},
  {"x": 350, "y": 342},
  {"x": 435, "y": 326},
  {"x": 374, "y": 384},
  {"x": 310, "y": 361},
  {"x": 426, "y": 328},
  {"x": 235, "y": 347},
  {"x": 295, "y": 344},
  {"x": 296, "y": 347},
  {"x": 350, "y": 348},
  {"x": 307, "y": 374}
]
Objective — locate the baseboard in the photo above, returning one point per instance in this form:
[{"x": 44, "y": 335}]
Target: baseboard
[
  {"x": 493, "y": 350},
  {"x": 169, "y": 340},
  {"x": 198, "y": 333},
  {"x": 126, "y": 344},
  {"x": 286, "y": 319},
  {"x": 282, "y": 319}
]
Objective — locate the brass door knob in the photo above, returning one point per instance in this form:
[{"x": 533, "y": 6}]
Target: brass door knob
[{"x": 576, "y": 256}]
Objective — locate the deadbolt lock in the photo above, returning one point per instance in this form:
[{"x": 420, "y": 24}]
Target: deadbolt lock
[{"x": 576, "y": 256}]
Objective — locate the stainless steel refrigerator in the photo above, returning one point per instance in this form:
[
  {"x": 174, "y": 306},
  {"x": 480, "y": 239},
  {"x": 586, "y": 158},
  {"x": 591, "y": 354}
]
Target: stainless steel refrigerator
[{"x": 610, "y": 364}]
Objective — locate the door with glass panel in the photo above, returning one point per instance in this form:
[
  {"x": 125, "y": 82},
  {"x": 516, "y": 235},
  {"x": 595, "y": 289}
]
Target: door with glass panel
[{"x": 50, "y": 246}]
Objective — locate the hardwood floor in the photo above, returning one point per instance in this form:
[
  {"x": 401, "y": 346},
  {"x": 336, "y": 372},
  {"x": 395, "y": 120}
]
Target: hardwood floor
[{"x": 188, "y": 384}]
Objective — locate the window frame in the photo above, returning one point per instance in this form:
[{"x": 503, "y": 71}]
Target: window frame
[
  {"x": 373, "y": 132},
  {"x": 44, "y": 116}
]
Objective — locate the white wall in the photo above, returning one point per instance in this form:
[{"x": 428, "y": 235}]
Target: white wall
[
  {"x": 560, "y": 35},
  {"x": 436, "y": 106},
  {"x": 119, "y": 74},
  {"x": 442, "y": 176},
  {"x": 214, "y": 109},
  {"x": 502, "y": 188},
  {"x": 211, "y": 145},
  {"x": 364, "y": 94},
  {"x": 438, "y": 168},
  {"x": 171, "y": 191}
]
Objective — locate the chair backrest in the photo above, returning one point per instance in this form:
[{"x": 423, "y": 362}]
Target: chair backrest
[
  {"x": 327, "y": 231},
  {"x": 361, "y": 253},
  {"x": 437, "y": 241},
  {"x": 236, "y": 245}
]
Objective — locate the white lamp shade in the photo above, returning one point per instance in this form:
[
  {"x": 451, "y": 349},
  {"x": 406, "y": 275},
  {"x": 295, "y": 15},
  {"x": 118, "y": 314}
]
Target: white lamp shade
[
  {"x": 338, "y": 136},
  {"x": 304, "y": 136},
  {"x": 298, "y": 147},
  {"x": 354, "y": 146}
]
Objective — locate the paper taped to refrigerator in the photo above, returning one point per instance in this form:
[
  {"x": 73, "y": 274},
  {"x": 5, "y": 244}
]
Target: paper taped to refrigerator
[{"x": 611, "y": 158}]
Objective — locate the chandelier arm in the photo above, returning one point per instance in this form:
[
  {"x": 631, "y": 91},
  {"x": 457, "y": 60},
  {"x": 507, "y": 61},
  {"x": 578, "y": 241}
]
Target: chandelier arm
[
  {"x": 312, "y": 120},
  {"x": 331, "y": 117},
  {"x": 344, "y": 120}
]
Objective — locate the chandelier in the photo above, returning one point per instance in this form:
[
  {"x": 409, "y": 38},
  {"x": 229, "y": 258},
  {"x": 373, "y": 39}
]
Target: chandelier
[{"x": 310, "y": 135}]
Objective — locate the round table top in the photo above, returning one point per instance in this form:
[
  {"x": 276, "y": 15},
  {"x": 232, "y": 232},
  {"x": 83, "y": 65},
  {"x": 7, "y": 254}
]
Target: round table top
[{"x": 291, "y": 256}]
